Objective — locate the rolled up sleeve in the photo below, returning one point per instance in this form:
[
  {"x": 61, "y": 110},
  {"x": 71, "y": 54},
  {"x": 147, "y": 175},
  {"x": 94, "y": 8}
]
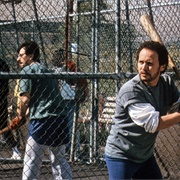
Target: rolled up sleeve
[{"x": 144, "y": 115}]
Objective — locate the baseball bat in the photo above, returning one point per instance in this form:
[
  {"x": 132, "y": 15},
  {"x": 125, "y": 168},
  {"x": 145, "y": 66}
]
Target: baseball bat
[
  {"x": 152, "y": 32},
  {"x": 14, "y": 124}
]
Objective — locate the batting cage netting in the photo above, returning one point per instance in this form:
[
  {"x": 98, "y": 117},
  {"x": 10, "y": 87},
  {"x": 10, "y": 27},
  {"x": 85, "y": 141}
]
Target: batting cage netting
[{"x": 97, "y": 40}]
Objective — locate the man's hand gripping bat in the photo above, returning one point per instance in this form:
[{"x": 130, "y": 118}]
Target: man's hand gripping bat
[{"x": 14, "y": 124}]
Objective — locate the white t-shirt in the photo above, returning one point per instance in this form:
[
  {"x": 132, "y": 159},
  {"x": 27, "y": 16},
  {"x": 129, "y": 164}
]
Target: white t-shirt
[
  {"x": 144, "y": 115},
  {"x": 67, "y": 91}
]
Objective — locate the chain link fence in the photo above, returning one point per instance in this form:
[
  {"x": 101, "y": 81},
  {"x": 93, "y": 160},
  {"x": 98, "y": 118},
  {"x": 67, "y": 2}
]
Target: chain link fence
[{"x": 101, "y": 37}]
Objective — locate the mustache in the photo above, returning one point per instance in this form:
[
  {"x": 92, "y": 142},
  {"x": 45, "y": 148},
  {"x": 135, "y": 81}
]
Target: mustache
[{"x": 144, "y": 72}]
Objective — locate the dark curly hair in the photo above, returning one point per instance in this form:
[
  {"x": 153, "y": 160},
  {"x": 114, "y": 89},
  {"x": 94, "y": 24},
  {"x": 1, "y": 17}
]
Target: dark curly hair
[
  {"x": 158, "y": 48},
  {"x": 31, "y": 47}
]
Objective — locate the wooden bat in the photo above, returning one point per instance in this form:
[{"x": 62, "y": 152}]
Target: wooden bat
[
  {"x": 14, "y": 124},
  {"x": 152, "y": 32}
]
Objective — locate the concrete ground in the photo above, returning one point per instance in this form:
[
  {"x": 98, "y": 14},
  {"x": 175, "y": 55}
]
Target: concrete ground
[
  {"x": 12, "y": 169},
  {"x": 80, "y": 171}
]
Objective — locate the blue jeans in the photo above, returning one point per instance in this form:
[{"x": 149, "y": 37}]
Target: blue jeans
[
  {"x": 71, "y": 109},
  {"x": 120, "y": 169}
]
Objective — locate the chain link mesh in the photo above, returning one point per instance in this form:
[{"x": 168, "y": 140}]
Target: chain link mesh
[{"x": 102, "y": 38}]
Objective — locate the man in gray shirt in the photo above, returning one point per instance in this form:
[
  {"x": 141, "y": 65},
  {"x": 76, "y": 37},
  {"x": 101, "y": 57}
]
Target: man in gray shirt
[{"x": 141, "y": 111}]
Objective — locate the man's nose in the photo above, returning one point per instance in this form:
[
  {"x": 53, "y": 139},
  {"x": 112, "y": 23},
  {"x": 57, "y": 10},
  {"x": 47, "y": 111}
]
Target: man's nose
[
  {"x": 144, "y": 66},
  {"x": 18, "y": 58}
]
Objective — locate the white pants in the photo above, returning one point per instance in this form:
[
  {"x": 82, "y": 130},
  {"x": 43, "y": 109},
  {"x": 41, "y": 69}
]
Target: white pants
[{"x": 33, "y": 159}]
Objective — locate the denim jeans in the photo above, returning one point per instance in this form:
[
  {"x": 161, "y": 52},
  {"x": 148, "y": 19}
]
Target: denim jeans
[
  {"x": 120, "y": 169},
  {"x": 71, "y": 104},
  {"x": 71, "y": 109},
  {"x": 34, "y": 154}
]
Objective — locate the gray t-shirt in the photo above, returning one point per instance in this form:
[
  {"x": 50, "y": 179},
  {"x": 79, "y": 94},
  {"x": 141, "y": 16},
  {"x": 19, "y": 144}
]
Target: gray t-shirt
[{"x": 127, "y": 140}]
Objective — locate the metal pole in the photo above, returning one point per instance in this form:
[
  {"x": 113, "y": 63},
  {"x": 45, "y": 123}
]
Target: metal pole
[
  {"x": 39, "y": 30},
  {"x": 96, "y": 63},
  {"x": 69, "y": 20},
  {"x": 129, "y": 36},
  {"x": 94, "y": 84},
  {"x": 15, "y": 25},
  {"x": 33, "y": 33},
  {"x": 77, "y": 31},
  {"x": 1, "y": 45},
  {"x": 68, "y": 55},
  {"x": 118, "y": 43},
  {"x": 150, "y": 11}
]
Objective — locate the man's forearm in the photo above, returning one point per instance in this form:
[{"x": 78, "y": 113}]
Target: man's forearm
[
  {"x": 20, "y": 119},
  {"x": 23, "y": 105},
  {"x": 14, "y": 124},
  {"x": 168, "y": 120}
]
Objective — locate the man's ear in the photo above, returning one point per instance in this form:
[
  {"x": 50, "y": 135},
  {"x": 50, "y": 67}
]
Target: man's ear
[
  {"x": 162, "y": 68},
  {"x": 31, "y": 57}
]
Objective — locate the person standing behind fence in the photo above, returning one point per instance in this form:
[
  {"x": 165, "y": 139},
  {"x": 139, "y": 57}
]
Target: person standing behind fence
[
  {"x": 48, "y": 129},
  {"x": 66, "y": 87},
  {"x": 8, "y": 137},
  {"x": 81, "y": 96},
  {"x": 141, "y": 111},
  {"x": 70, "y": 87}
]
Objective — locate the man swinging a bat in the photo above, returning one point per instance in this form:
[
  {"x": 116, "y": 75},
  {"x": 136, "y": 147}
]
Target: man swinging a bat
[
  {"x": 48, "y": 126},
  {"x": 141, "y": 112}
]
